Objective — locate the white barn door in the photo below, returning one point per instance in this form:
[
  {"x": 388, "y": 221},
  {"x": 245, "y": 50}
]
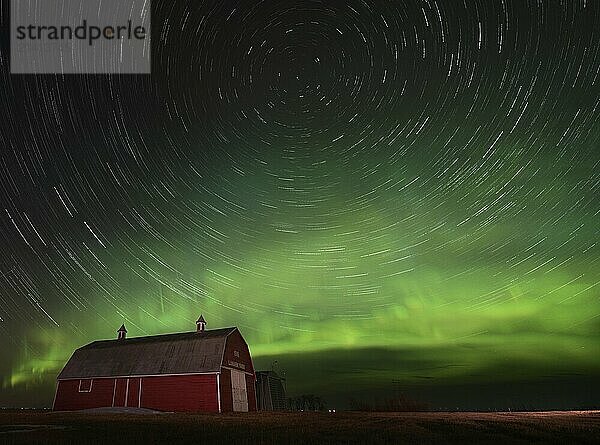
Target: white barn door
[{"x": 238, "y": 390}]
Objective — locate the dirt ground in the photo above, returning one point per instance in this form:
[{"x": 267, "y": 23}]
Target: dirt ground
[{"x": 28, "y": 427}]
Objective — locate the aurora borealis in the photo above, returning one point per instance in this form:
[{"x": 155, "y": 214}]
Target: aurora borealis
[{"x": 377, "y": 193}]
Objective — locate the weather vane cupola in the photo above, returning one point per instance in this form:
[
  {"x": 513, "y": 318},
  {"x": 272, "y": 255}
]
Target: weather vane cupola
[
  {"x": 122, "y": 333},
  {"x": 200, "y": 324}
]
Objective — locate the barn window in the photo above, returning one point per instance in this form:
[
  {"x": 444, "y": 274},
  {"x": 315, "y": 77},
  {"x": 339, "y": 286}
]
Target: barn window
[{"x": 85, "y": 385}]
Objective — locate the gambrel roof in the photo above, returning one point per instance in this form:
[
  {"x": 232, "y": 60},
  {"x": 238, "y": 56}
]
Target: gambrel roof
[{"x": 170, "y": 354}]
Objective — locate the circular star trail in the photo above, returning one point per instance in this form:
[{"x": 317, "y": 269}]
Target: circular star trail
[{"x": 337, "y": 179}]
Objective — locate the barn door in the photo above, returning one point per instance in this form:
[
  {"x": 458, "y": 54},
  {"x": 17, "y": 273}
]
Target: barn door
[
  {"x": 238, "y": 391},
  {"x": 120, "y": 392},
  {"x": 133, "y": 392}
]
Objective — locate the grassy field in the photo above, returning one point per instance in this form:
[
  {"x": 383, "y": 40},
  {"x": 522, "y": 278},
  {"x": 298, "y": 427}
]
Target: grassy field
[{"x": 299, "y": 428}]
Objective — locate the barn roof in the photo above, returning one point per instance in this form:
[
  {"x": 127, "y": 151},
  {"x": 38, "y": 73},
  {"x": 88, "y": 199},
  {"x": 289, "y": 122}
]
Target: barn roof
[{"x": 182, "y": 353}]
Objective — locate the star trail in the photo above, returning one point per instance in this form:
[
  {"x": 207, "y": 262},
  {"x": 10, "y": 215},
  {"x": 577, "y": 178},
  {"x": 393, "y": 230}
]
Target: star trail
[{"x": 372, "y": 191}]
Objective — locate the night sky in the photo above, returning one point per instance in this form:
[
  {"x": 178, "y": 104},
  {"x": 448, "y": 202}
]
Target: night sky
[{"x": 382, "y": 195}]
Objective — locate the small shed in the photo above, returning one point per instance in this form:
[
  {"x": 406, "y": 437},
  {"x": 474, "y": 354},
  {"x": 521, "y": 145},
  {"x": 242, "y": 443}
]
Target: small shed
[
  {"x": 205, "y": 370},
  {"x": 270, "y": 391}
]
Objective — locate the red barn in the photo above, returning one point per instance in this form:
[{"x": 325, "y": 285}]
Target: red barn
[{"x": 206, "y": 370}]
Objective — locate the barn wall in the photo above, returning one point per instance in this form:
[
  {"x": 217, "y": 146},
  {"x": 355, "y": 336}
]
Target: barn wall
[
  {"x": 68, "y": 397},
  {"x": 180, "y": 393},
  {"x": 237, "y": 356},
  {"x": 226, "y": 395}
]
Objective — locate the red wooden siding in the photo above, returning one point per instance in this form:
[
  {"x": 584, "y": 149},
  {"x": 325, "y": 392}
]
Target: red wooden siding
[
  {"x": 226, "y": 395},
  {"x": 163, "y": 393},
  {"x": 69, "y": 398},
  {"x": 180, "y": 393}
]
